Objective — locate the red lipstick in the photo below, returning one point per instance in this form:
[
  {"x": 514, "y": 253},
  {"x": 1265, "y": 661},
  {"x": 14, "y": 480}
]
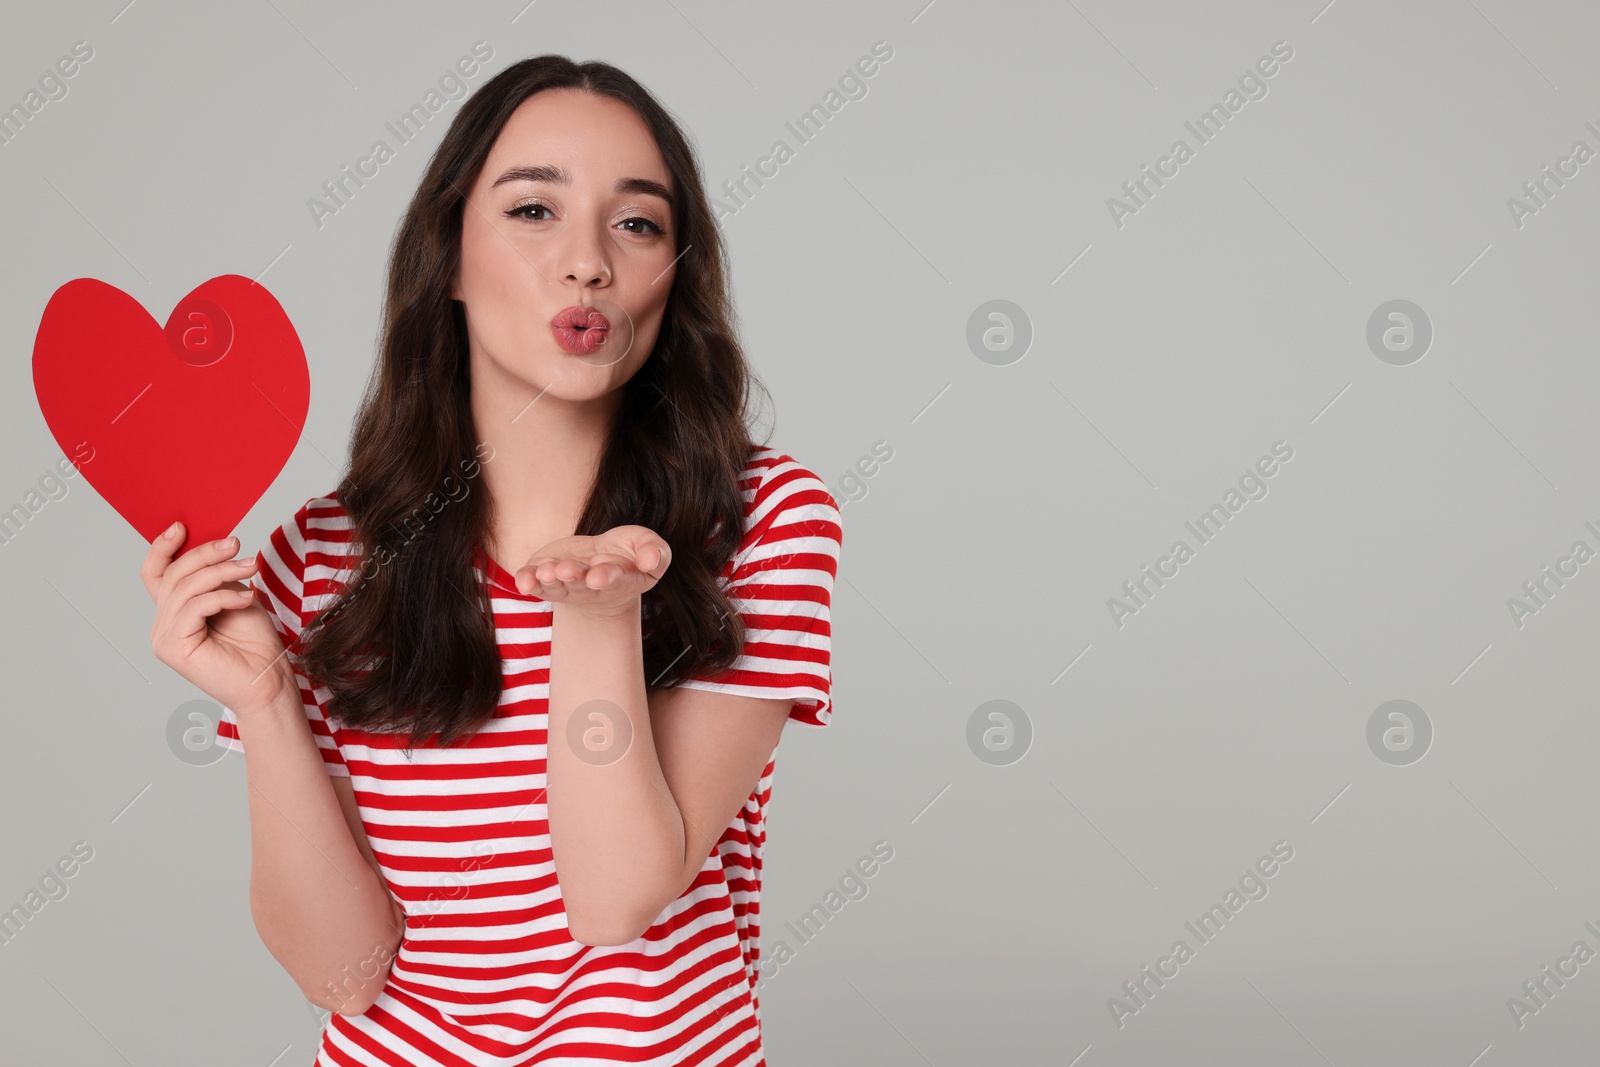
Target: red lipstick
[{"x": 580, "y": 329}]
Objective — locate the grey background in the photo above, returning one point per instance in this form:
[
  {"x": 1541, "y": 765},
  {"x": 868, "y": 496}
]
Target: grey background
[{"x": 1229, "y": 313}]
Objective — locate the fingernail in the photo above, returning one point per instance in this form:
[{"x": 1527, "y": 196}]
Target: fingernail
[
  {"x": 226, "y": 542},
  {"x": 172, "y": 531}
]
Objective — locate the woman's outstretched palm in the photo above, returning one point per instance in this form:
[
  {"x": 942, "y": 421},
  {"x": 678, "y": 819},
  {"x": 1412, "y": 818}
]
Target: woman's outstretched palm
[{"x": 602, "y": 573}]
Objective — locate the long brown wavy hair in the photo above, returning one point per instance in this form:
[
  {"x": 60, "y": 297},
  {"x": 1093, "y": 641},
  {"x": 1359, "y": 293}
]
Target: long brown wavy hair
[{"x": 409, "y": 644}]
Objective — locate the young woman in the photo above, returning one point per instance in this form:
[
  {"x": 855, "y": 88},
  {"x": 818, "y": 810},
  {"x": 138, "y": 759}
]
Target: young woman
[{"x": 509, "y": 695}]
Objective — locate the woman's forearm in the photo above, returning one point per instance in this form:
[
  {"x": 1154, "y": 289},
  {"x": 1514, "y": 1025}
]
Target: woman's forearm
[
  {"x": 616, "y": 834},
  {"x": 319, "y": 906}
]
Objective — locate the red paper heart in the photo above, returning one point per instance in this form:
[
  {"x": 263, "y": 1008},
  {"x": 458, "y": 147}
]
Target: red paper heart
[{"x": 191, "y": 422}]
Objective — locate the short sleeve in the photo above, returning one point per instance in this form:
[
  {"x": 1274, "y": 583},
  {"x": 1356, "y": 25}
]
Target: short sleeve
[
  {"x": 781, "y": 582},
  {"x": 280, "y": 583}
]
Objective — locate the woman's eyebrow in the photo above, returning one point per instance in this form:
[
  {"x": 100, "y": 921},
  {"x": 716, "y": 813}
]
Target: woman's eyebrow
[{"x": 545, "y": 172}]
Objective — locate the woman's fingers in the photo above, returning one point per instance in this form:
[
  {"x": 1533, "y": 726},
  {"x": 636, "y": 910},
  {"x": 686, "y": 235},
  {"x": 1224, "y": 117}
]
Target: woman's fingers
[
  {"x": 159, "y": 558},
  {"x": 206, "y": 605},
  {"x": 168, "y": 572},
  {"x": 637, "y": 559},
  {"x": 182, "y": 622},
  {"x": 655, "y": 557},
  {"x": 201, "y": 571},
  {"x": 559, "y": 581},
  {"x": 213, "y": 576},
  {"x": 559, "y": 571},
  {"x": 553, "y": 580},
  {"x": 565, "y": 570}
]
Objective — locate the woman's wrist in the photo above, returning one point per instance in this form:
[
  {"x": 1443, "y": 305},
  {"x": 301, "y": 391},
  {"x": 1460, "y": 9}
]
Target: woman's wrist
[
  {"x": 631, "y": 610},
  {"x": 277, "y": 700}
]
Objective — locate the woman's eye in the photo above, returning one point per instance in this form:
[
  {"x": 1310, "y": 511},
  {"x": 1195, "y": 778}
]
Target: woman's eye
[{"x": 522, "y": 210}]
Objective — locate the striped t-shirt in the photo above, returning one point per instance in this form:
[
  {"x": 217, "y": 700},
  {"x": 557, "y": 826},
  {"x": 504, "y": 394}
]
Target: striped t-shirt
[{"x": 486, "y": 972}]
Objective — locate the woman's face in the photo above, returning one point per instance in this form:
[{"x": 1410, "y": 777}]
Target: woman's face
[{"x": 570, "y": 211}]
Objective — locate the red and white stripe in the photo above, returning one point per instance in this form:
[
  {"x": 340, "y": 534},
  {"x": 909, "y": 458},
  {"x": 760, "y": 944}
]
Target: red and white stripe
[{"x": 487, "y": 973}]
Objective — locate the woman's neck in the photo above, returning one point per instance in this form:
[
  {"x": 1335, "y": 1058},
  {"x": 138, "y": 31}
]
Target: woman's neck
[{"x": 542, "y": 456}]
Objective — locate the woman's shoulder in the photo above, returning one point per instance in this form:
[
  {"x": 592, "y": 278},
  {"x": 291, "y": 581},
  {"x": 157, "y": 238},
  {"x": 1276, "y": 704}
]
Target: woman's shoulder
[
  {"x": 785, "y": 500},
  {"x": 320, "y": 524},
  {"x": 773, "y": 477},
  {"x": 302, "y": 562},
  {"x": 313, "y": 545}
]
